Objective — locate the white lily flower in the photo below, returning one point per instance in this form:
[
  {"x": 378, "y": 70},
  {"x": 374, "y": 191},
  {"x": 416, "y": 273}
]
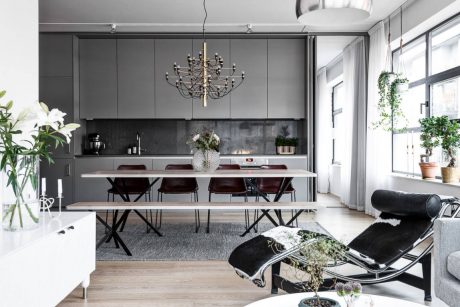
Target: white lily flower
[
  {"x": 216, "y": 138},
  {"x": 196, "y": 137},
  {"x": 66, "y": 131}
]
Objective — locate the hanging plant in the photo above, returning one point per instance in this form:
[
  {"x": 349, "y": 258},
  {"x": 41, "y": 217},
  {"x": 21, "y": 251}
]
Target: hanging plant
[{"x": 389, "y": 106}]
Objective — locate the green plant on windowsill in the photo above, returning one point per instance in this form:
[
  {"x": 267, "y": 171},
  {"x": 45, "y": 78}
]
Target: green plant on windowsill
[
  {"x": 429, "y": 140},
  {"x": 449, "y": 137},
  {"x": 391, "y": 114}
]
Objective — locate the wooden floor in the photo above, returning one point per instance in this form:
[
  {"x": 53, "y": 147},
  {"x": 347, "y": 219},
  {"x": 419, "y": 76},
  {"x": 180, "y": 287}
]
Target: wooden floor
[{"x": 211, "y": 283}]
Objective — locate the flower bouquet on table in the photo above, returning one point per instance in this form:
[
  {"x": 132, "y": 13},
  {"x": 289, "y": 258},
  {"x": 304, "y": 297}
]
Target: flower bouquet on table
[
  {"x": 206, "y": 145},
  {"x": 25, "y": 139}
]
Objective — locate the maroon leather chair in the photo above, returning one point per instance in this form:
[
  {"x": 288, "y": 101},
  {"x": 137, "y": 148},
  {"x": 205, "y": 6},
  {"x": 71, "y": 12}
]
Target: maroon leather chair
[
  {"x": 228, "y": 186},
  {"x": 131, "y": 186},
  {"x": 271, "y": 185},
  {"x": 178, "y": 186}
]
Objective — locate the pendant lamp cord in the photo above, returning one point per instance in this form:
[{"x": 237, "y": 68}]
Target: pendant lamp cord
[
  {"x": 401, "y": 40},
  {"x": 204, "y": 21}
]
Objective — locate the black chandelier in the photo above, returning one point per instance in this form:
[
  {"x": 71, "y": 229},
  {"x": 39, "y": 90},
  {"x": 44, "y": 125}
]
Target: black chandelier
[{"x": 205, "y": 77}]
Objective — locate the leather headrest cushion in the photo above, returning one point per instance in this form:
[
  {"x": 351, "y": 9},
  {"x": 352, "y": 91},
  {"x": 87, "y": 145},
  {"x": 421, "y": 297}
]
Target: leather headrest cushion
[{"x": 406, "y": 204}]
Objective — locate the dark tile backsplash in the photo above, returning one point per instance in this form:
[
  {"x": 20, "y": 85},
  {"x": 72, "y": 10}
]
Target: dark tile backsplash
[{"x": 170, "y": 136}]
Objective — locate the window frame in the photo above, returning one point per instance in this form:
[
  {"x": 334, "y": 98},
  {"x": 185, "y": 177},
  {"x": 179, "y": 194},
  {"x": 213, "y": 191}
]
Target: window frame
[
  {"x": 428, "y": 80},
  {"x": 334, "y": 113}
]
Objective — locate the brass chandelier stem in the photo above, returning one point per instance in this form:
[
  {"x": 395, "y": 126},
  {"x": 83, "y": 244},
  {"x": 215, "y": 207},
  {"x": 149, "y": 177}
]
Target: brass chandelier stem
[{"x": 204, "y": 97}]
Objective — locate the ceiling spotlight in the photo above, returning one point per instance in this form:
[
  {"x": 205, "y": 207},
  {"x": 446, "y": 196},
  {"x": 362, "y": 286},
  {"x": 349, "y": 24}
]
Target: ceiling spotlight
[
  {"x": 332, "y": 12},
  {"x": 249, "y": 28},
  {"x": 113, "y": 28}
]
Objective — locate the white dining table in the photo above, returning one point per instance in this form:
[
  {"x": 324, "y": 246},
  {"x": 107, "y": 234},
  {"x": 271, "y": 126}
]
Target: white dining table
[{"x": 286, "y": 176}]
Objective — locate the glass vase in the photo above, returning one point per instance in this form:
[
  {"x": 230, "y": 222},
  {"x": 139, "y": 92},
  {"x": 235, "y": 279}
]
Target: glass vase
[
  {"x": 20, "y": 195},
  {"x": 206, "y": 160}
]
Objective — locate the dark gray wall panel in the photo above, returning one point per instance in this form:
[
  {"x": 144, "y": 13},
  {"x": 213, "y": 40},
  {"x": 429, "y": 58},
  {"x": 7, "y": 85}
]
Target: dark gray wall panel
[
  {"x": 250, "y": 99},
  {"x": 55, "y": 55},
  {"x": 98, "y": 78},
  {"x": 286, "y": 78},
  {"x": 136, "y": 78}
]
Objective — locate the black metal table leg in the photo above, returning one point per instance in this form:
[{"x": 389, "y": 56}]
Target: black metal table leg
[
  {"x": 148, "y": 223},
  {"x": 114, "y": 234},
  {"x": 264, "y": 213}
]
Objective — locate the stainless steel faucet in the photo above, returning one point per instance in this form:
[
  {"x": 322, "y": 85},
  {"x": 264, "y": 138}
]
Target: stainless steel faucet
[{"x": 138, "y": 139}]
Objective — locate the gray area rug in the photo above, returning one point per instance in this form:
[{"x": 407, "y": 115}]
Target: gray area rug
[{"x": 181, "y": 243}]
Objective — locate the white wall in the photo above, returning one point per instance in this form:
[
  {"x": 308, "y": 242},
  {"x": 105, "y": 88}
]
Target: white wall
[
  {"x": 19, "y": 50},
  {"x": 407, "y": 184}
]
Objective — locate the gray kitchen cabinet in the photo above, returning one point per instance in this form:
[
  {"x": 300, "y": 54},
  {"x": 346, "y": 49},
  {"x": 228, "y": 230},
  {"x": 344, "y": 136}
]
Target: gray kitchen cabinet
[
  {"x": 217, "y": 108},
  {"x": 55, "y": 52},
  {"x": 91, "y": 189},
  {"x": 250, "y": 99},
  {"x": 168, "y": 101},
  {"x": 60, "y": 169},
  {"x": 286, "y": 78},
  {"x": 98, "y": 78},
  {"x": 57, "y": 92},
  {"x": 136, "y": 78}
]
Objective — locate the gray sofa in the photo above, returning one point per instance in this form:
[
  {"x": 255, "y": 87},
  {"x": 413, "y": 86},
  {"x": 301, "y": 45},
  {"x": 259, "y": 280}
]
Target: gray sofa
[{"x": 447, "y": 260}]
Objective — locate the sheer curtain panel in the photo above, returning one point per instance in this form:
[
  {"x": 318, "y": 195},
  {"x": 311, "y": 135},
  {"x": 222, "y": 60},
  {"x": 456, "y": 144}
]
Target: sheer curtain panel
[
  {"x": 353, "y": 177},
  {"x": 323, "y": 129},
  {"x": 378, "y": 157}
]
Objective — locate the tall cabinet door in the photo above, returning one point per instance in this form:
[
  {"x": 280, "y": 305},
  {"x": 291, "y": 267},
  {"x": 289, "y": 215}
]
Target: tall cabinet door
[
  {"x": 286, "y": 78},
  {"x": 98, "y": 78},
  {"x": 136, "y": 78},
  {"x": 217, "y": 108},
  {"x": 250, "y": 99},
  {"x": 57, "y": 92},
  {"x": 168, "y": 101}
]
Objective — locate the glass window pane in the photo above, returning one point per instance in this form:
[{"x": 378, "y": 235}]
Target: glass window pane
[
  {"x": 445, "y": 98},
  {"x": 413, "y": 60},
  {"x": 445, "y": 42},
  {"x": 410, "y": 105},
  {"x": 338, "y": 137},
  {"x": 339, "y": 96}
]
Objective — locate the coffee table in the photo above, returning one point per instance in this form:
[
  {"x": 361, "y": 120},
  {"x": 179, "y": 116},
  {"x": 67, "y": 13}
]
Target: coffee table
[{"x": 292, "y": 300}]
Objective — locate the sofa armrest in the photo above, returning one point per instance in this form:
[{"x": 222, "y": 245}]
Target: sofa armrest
[{"x": 446, "y": 241}]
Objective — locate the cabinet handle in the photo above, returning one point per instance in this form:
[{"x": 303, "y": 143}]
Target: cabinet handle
[
  {"x": 67, "y": 170},
  {"x": 70, "y": 227},
  {"x": 62, "y": 232}
]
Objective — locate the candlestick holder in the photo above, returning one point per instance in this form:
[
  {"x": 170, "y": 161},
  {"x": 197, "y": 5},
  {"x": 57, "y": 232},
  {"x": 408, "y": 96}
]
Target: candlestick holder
[{"x": 46, "y": 203}]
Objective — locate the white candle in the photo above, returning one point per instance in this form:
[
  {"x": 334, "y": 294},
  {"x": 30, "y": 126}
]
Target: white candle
[
  {"x": 59, "y": 187},
  {"x": 43, "y": 186}
]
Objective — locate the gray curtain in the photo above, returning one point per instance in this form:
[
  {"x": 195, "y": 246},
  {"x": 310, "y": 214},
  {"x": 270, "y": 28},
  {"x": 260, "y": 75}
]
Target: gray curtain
[
  {"x": 353, "y": 177},
  {"x": 310, "y": 89}
]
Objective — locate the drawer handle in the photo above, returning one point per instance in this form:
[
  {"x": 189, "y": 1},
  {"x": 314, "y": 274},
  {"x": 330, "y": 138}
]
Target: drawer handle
[
  {"x": 70, "y": 227},
  {"x": 62, "y": 232}
]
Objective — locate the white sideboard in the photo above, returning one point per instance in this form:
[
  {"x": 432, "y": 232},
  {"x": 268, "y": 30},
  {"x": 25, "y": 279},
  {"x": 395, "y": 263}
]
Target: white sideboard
[{"x": 41, "y": 267}]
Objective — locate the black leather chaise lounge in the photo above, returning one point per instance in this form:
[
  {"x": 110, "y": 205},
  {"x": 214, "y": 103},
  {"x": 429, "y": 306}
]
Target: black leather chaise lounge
[{"x": 403, "y": 231}]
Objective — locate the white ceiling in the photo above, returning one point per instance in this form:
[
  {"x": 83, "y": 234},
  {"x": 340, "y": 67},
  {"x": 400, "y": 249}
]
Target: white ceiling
[
  {"x": 329, "y": 47},
  {"x": 187, "y": 15}
]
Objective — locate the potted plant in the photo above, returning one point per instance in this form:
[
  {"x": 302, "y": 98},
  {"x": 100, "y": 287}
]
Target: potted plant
[
  {"x": 429, "y": 141},
  {"x": 450, "y": 140},
  {"x": 316, "y": 253},
  {"x": 25, "y": 139},
  {"x": 389, "y": 105},
  {"x": 206, "y": 157}
]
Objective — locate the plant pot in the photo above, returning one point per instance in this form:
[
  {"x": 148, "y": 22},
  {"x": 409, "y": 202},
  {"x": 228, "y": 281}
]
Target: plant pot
[
  {"x": 285, "y": 150},
  {"x": 313, "y": 302},
  {"x": 206, "y": 161},
  {"x": 428, "y": 169},
  {"x": 450, "y": 174},
  {"x": 20, "y": 202}
]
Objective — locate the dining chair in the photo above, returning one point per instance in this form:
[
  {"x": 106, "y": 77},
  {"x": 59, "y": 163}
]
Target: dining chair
[
  {"x": 228, "y": 186},
  {"x": 178, "y": 186}
]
